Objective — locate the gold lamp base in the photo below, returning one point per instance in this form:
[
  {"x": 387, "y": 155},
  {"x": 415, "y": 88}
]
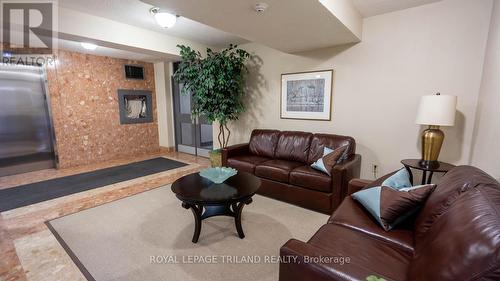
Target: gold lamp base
[{"x": 432, "y": 140}]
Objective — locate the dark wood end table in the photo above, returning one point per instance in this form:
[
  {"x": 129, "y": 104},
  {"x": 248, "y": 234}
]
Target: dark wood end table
[
  {"x": 415, "y": 164},
  {"x": 207, "y": 199}
]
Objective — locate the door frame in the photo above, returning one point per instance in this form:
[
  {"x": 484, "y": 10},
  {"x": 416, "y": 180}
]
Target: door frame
[
  {"x": 177, "y": 123},
  {"x": 48, "y": 103},
  {"x": 196, "y": 149}
]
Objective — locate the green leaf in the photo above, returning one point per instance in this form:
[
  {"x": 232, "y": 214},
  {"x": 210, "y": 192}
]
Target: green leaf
[
  {"x": 215, "y": 81},
  {"x": 374, "y": 278}
]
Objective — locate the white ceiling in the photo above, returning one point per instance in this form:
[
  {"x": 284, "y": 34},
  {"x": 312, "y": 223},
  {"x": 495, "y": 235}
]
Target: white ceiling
[
  {"x": 135, "y": 12},
  {"x": 287, "y": 25},
  {"x": 291, "y": 25},
  {"x": 369, "y": 8}
]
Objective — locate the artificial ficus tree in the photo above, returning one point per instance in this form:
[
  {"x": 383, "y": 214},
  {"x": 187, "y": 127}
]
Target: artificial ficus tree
[{"x": 216, "y": 83}]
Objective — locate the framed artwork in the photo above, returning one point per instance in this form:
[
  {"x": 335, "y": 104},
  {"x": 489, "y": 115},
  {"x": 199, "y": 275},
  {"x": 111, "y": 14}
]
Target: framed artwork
[{"x": 307, "y": 95}]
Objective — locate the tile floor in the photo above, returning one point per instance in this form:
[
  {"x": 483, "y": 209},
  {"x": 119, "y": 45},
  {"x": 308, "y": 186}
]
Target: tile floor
[{"x": 29, "y": 251}]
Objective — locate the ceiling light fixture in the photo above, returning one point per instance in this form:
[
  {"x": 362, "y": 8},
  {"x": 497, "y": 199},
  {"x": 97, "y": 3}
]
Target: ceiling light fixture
[
  {"x": 261, "y": 7},
  {"x": 88, "y": 46},
  {"x": 163, "y": 19}
]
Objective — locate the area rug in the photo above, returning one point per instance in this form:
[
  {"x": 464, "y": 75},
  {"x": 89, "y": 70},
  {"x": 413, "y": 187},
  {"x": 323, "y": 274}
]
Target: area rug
[
  {"x": 32, "y": 193},
  {"x": 148, "y": 237}
]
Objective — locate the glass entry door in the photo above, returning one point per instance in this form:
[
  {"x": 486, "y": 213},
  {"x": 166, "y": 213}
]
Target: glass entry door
[
  {"x": 192, "y": 135},
  {"x": 205, "y": 141}
]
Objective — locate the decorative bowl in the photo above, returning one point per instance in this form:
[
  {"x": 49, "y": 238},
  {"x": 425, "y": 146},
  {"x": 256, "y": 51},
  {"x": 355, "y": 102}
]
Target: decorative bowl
[{"x": 218, "y": 174}]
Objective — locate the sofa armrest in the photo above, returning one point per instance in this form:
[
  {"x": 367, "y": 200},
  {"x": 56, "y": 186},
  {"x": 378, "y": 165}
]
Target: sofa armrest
[
  {"x": 232, "y": 151},
  {"x": 356, "y": 185},
  {"x": 342, "y": 173},
  {"x": 302, "y": 261}
]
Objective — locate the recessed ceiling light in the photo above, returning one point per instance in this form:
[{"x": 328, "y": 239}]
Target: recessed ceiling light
[
  {"x": 88, "y": 46},
  {"x": 163, "y": 19}
]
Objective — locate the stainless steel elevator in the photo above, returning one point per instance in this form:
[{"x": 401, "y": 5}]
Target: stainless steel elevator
[{"x": 26, "y": 131}]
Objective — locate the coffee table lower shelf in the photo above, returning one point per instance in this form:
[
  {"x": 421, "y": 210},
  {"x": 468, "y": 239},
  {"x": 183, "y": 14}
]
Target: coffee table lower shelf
[{"x": 202, "y": 212}]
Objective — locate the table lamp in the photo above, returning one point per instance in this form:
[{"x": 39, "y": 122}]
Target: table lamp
[{"x": 434, "y": 111}]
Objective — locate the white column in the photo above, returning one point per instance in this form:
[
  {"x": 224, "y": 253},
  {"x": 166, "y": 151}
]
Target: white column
[{"x": 164, "y": 104}]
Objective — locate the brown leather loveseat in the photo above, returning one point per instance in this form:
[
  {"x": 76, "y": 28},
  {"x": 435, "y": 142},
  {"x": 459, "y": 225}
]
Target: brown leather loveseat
[
  {"x": 455, "y": 236},
  {"x": 282, "y": 160}
]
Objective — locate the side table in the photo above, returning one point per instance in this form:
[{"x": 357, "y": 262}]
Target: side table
[{"x": 415, "y": 164}]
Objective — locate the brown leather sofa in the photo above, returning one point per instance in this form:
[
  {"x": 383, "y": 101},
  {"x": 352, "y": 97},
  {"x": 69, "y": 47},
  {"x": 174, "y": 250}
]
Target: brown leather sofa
[
  {"x": 282, "y": 160},
  {"x": 455, "y": 236}
]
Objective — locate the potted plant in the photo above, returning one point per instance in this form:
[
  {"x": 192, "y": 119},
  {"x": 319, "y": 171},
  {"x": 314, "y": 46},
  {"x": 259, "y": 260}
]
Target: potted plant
[{"x": 216, "y": 83}]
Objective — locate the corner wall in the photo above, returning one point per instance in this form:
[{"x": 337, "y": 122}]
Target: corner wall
[
  {"x": 164, "y": 104},
  {"x": 378, "y": 82},
  {"x": 486, "y": 151}
]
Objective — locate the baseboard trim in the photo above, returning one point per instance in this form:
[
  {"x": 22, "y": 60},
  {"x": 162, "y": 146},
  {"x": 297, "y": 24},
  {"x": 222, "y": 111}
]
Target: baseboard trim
[{"x": 164, "y": 149}]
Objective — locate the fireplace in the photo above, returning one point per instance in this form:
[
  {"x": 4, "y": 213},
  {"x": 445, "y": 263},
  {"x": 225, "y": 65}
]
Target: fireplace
[{"x": 136, "y": 106}]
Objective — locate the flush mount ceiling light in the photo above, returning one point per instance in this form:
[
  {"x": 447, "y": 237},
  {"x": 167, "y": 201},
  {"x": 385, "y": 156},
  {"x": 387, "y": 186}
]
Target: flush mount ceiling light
[
  {"x": 88, "y": 46},
  {"x": 163, "y": 19},
  {"x": 261, "y": 7}
]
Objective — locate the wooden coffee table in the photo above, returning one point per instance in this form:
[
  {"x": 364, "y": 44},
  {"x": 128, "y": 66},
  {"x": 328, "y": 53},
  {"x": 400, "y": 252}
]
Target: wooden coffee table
[{"x": 207, "y": 199}]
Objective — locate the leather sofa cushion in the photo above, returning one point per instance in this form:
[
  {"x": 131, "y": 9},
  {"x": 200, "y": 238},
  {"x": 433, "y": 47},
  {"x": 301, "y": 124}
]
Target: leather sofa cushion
[
  {"x": 463, "y": 242},
  {"x": 352, "y": 215},
  {"x": 368, "y": 255},
  {"x": 455, "y": 183},
  {"x": 307, "y": 177},
  {"x": 246, "y": 163},
  {"x": 293, "y": 146},
  {"x": 263, "y": 142},
  {"x": 277, "y": 170},
  {"x": 319, "y": 141}
]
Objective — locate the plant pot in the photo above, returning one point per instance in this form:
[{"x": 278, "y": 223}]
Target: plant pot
[{"x": 216, "y": 157}]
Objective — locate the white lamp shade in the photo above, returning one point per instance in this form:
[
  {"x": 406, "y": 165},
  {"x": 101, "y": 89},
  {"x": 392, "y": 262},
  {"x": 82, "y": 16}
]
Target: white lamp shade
[{"x": 437, "y": 110}]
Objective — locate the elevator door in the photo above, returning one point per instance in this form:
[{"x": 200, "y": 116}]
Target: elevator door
[{"x": 26, "y": 136}]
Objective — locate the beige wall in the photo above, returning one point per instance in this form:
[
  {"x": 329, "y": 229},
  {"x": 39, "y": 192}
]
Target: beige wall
[
  {"x": 164, "y": 104},
  {"x": 378, "y": 82},
  {"x": 486, "y": 150}
]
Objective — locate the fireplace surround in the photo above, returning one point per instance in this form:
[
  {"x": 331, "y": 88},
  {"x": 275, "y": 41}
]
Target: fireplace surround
[{"x": 136, "y": 106}]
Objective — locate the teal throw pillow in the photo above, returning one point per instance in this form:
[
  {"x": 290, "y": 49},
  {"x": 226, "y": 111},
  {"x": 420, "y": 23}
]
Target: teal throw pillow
[
  {"x": 329, "y": 159},
  {"x": 391, "y": 206},
  {"x": 401, "y": 179}
]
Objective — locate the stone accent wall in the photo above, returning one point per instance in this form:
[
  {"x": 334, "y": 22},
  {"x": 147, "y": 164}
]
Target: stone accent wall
[{"x": 84, "y": 101}]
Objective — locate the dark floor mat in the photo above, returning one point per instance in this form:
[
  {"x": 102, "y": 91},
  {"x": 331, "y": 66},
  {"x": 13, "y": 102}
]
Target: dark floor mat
[{"x": 32, "y": 193}]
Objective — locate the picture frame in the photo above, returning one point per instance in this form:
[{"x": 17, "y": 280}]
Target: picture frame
[{"x": 307, "y": 95}]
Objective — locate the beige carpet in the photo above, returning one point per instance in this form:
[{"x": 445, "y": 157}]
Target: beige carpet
[{"x": 117, "y": 241}]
